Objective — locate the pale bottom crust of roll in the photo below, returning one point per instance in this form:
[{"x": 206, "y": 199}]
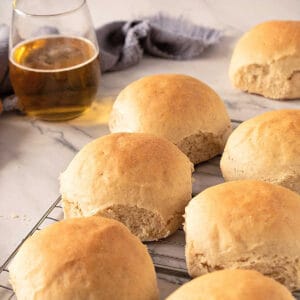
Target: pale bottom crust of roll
[
  {"x": 282, "y": 269},
  {"x": 146, "y": 225},
  {"x": 232, "y": 170},
  {"x": 202, "y": 146},
  {"x": 269, "y": 80}
]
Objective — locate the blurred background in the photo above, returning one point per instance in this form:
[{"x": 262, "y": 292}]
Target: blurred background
[{"x": 226, "y": 13}]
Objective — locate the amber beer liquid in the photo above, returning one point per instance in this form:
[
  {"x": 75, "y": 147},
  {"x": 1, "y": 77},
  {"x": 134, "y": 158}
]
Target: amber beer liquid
[{"x": 55, "y": 77}]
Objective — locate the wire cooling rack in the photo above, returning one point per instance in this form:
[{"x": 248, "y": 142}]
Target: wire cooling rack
[
  {"x": 167, "y": 254},
  {"x": 6, "y": 291},
  {"x": 173, "y": 273}
]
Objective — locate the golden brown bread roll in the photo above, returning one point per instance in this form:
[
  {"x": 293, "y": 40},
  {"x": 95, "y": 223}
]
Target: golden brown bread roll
[
  {"x": 232, "y": 285},
  {"x": 266, "y": 147},
  {"x": 266, "y": 60},
  {"x": 177, "y": 107},
  {"x": 139, "y": 179},
  {"x": 245, "y": 224},
  {"x": 84, "y": 258}
]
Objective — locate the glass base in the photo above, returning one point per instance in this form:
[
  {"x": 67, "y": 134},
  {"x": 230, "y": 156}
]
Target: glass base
[{"x": 57, "y": 114}]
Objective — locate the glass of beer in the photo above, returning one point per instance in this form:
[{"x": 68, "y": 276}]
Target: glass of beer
[{"x": 54, "y": 58}]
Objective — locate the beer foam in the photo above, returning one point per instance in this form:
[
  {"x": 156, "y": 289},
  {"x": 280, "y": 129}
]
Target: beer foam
[{"x": 95, "y": 50}]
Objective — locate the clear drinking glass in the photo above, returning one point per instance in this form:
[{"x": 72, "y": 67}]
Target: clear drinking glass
[{"x": 54, "y": 58}]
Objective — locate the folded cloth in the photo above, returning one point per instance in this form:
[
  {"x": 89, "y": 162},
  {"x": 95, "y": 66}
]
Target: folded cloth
[{"x": 122, "y": 44}]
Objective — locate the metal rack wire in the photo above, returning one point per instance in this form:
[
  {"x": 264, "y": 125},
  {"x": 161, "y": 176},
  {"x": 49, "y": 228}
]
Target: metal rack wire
[
  {"x": 6, "y": 291},
  {"x": 169, "y": 273}
]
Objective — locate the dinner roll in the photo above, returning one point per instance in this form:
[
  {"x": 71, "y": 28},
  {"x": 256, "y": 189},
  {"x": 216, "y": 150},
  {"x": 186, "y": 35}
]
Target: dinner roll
[
  {"x": 266, "y": 60},
  {"x": 84, "y": 258},
  {"x": 232, "y": 285},
  {"x": 267, "y": 148},
  {"x": 245, "y": 224},
  {"x": 139, "y": 179},
  {"x": 178, "y": 107}
]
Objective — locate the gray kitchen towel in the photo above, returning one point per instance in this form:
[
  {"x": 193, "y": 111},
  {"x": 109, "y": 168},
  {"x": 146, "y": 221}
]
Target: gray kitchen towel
[{"x": 122, "y": 44}]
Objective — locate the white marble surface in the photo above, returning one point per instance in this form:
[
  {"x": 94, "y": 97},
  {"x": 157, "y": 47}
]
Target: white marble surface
[{"x": 33, "y": 153}]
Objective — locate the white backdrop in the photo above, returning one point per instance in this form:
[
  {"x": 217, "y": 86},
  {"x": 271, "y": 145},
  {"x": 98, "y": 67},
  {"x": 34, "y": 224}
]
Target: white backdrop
[{"x": 231, "y": 13}]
